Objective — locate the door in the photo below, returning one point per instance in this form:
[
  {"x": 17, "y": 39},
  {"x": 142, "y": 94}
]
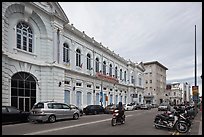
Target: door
[
  {"x": 67, "y": 112},
  {"x": 23, "y": 103}
]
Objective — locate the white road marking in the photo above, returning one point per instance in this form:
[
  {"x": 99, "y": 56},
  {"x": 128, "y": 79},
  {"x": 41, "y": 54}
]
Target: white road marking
[{"x": 61, "y": 128}]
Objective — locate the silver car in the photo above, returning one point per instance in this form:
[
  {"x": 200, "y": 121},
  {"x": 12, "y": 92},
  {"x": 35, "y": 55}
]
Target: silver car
[{"x": 52, "y": 111}]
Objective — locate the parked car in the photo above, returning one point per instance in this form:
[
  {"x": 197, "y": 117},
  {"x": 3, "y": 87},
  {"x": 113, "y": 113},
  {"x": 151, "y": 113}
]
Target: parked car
[
  {"x": 164, "y": 107},
  {"x": 75, "y": 107},
  {"x": 145, "y": 106},
  {"x": 12, "y": 114},
  {"x": 94, "y": 109},
  {"x": 52, "y": 111},
  {"x": 154, "y": 105},
  {"x": 129, "y": 107},
  {"x": 137, "y": 106},
  {"x": 110, "y": 108}
]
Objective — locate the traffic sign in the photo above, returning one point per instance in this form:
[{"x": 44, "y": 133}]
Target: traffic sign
[
  {"x": 195, "y": 90},
  {"x": 195, "y": 93}
]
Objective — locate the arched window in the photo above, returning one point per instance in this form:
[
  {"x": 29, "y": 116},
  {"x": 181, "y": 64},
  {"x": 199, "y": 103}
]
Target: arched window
[
  {"x": 110, "y": 70},
  {"x": 23, "y": 91},
  {"x": 78, "y": 58},
  {"x": 140, "y": 98},
  {"x": 65, "y": 53},
  {"x": 132, "y": 79},
  {"x": 97, "y": 65},
  {"x": 88, "y": 62},
  {"x": 116, "y": 72},
  {"x": 24, "y": 37},
  {"x": 121, "y": 72},
  {"x": 104, "y": 67},
  {"x": 125, "y": 76}
]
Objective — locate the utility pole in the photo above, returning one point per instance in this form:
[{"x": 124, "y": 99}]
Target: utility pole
[{"x": 196, "y": 98}]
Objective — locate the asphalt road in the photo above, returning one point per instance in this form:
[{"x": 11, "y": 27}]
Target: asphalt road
[{"x": 138, "y": 122}]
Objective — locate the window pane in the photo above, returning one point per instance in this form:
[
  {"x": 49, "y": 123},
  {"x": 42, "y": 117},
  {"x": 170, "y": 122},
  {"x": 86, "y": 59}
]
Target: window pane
[
  {"x": 33, "y": 85},
  {"x": 27, "y": 92},
  {"x": 63, "y": 54},
  {"x": 21, "y": 84},
  {"x": 14, "y": 92},
  {"x": 33, "y": 93},
  {"x": 13, "y": 83},
  {"x": 33, "y": 100},
  {"x": 27, "y": 84},
  {"x": 24, "y": 43},
  {"x": 14, "y": 101},
  {"x": 77, "y": 60},
  {"x": 19, "y": 41},
  {"x": 30, "y": 45},
  {"x": 21, "y": 92}
]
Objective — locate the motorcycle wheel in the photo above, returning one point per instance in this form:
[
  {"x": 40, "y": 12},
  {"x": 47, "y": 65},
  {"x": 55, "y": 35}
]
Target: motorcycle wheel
[
  {"x": 113, "y": 122},
  {"x": 155, "y": 124},
  {"x": 182, "y": 127},
  {"x": 123, "y": 121}
]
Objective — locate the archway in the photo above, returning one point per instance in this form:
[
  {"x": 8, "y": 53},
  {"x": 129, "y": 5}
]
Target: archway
[{"x": 23, "y": 91}]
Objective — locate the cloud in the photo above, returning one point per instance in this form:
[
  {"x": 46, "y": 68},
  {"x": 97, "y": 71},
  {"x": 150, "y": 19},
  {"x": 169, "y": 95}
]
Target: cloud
[{"x": 145, "y": 31}]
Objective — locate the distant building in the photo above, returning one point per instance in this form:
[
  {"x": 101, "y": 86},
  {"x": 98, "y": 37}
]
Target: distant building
[
  {"x": 155, "y": 83},
  {"x": 186, "y": 92},
  {"x": 179, "y": 92}
]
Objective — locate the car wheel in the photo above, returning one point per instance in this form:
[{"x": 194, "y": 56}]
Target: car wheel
[
  {"x": 52, "y": 119},
  {"x": 75, "y": 116}
]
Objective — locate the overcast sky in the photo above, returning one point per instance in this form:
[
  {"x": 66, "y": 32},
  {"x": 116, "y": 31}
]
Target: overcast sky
[{"x": 146, "y": 31}]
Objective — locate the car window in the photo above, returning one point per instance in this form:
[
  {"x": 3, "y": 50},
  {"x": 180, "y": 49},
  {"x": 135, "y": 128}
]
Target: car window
[
  {"x": 13, "y": 110},
  {"x": 4, "y": 110},
  {"x": 64, "y": 106},
  {"x": 57, "y": 106},
  {"x": 39, "y": 105},
  {"x": 73, "y": 107},
  {"x": 50, "y": 105}
]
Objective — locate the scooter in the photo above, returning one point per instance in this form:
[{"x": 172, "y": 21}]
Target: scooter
[{"x": 116, "y": 119}]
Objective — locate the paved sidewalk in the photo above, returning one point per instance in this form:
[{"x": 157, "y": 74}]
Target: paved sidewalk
[{"x": 196, "y": 128}]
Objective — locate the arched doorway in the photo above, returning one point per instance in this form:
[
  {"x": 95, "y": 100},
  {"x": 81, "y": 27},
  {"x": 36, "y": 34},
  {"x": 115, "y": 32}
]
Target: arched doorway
[{"x": 23, "y": 91}]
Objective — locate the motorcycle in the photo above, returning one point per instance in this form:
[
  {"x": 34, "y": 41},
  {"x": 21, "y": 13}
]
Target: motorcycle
[
  {"x": 172, "y": 120},
  {"x": 116, "y": 119}
]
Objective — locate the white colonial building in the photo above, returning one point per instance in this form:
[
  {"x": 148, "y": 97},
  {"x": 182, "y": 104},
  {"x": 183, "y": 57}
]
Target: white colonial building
[
  {"x": 179, "y": 92},
  {"x": 46, "y": 58}
]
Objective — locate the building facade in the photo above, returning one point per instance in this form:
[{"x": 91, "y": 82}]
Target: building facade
[
  {"x": 155, "y": 83},
  {"x": 179, "y": 93},
  {"x": 46, "y": 58}
]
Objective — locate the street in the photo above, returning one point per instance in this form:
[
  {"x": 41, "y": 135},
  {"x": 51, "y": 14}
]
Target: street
[{"x": 138, "y": 122}]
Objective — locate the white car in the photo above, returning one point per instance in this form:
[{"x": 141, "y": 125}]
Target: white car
[{"x": 129, "y": 107}]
